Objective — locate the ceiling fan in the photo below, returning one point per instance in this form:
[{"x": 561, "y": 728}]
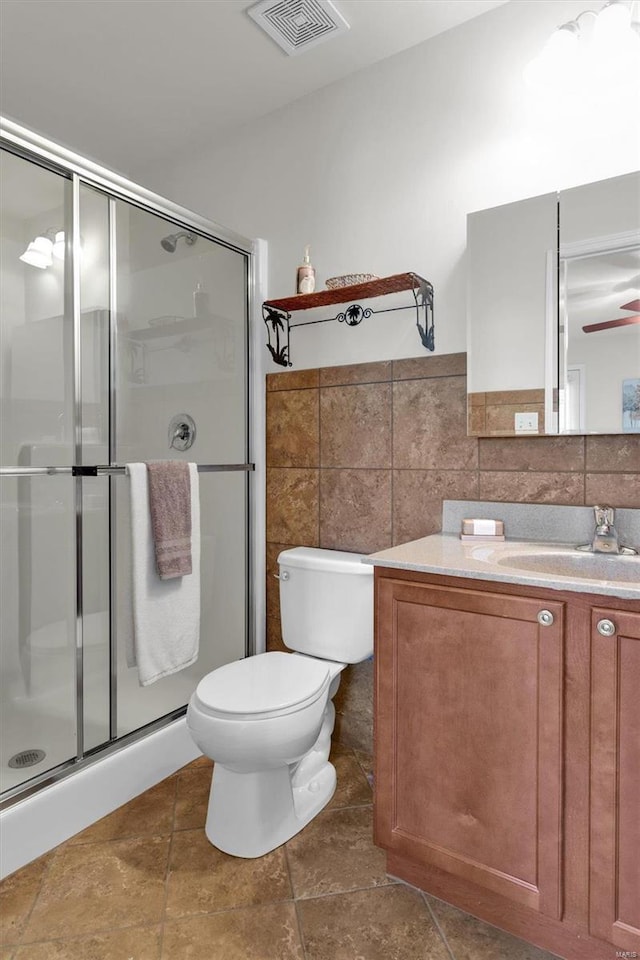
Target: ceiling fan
[{"x": 620, "y": 322}]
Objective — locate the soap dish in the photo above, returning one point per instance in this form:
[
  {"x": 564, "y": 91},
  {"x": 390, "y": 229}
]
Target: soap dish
[
  {"x": 349, "y": 280},
  {"x": 481, "y": 529},
  {"x": 476, "y": 537}
]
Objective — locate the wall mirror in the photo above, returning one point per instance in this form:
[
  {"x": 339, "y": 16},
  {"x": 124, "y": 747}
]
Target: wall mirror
[{"x": 553, "y": 313}]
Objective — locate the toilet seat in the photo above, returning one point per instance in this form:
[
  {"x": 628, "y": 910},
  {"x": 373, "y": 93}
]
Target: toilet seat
[{"x": 268, "y": 685}]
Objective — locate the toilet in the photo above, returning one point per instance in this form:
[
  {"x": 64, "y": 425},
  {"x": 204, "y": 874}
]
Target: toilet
[{"x": 267, "y": 721}]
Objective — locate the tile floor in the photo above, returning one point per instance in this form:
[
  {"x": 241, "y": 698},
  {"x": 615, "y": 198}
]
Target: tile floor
[{"x": 145, "y": 884}]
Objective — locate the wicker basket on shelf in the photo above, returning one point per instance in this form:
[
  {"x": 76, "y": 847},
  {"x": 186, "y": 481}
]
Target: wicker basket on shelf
[{"x": 349, "y": 280}]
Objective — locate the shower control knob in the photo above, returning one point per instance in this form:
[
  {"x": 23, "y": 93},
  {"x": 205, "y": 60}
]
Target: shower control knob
[
  {"x": 182, "y": 432},
  {"x": 545, "y": 618},
  {"x": 606, "y": 628}
]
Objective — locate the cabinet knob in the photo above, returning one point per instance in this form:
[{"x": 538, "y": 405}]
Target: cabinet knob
[
  {"x": 606, "y": 628},
  {"x": 545, "y": 618}
]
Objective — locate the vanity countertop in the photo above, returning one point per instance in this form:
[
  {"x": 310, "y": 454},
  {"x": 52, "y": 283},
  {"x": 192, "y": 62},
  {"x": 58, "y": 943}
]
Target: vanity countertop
[{"x": 517, "y": 561}]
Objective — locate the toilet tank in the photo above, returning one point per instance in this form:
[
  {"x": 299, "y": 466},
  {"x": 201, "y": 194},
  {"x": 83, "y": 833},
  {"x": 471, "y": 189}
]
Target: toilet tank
[{"x": 326, "y": 604}]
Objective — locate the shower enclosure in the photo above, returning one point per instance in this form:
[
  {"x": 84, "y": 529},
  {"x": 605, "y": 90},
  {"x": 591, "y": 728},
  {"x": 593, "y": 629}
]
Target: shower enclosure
[{"x": 124, "y": 337}]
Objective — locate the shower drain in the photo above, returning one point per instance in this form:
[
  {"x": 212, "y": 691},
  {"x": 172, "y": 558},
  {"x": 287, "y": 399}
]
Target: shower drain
[{"x": 26, "y": 758}]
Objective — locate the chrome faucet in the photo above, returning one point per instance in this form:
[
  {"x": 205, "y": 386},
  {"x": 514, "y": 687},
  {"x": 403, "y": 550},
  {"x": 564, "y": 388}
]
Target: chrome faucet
[{"x": 605, "y": 537}]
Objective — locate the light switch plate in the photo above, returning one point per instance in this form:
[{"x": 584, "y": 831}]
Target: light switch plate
[{"x": 526, "y": 422}]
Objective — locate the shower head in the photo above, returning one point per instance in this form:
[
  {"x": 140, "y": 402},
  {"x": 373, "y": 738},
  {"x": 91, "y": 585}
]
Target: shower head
[{"x": 171, "y": 242}]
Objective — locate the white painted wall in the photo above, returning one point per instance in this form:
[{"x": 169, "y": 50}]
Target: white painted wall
[
  {"x": 378, "y": 171},
  {"x": 609, "y": 357},
  {"x": 601, "y": 209}
]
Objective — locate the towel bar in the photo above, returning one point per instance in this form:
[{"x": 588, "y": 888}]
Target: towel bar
[{"x": 107, "y": 470}]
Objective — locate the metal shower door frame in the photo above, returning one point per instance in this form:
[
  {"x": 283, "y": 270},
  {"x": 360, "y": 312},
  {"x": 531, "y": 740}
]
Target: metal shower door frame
[{"x": 82, "y": 172}]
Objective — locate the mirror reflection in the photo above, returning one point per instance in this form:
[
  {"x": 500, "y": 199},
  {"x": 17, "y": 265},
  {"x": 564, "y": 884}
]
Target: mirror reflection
[
  {"x": 599, "y": 306},
  {"x": 554, "y": 327}
]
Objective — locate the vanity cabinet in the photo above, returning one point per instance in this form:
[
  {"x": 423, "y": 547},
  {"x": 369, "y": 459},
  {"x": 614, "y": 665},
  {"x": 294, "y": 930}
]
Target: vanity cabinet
[
  {"x": 469, "y": 736},
  {"x": 615, "y": 778},
  {"x": 507, "y": 742}
]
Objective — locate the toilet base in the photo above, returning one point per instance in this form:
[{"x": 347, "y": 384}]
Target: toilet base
[{"x": 251, "y": 814}]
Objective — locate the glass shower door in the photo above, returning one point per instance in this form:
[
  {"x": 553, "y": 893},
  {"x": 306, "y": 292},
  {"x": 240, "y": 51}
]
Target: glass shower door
[
  {"x": 37, "y": 512},
  {"x": 106, "y": 342},
  {"x": 175, "y": 342},
  {"x": 182, "y": 356}
]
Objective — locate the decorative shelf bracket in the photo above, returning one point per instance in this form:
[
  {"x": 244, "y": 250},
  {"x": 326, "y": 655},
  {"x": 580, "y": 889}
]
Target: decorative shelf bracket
[
  {"x": 277, "y": 320},
  {"x": 277, "y": 313}
]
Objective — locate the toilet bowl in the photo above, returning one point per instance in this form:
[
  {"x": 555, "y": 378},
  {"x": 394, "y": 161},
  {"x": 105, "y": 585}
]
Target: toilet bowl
[
  {"x": 258, "y": 733},
  {"x": 267, "y": 721}
]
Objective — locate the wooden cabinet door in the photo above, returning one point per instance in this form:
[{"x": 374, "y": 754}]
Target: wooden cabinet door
[
  {"x": 468, "y": 726},
  {"x": 614, "y": 900}
]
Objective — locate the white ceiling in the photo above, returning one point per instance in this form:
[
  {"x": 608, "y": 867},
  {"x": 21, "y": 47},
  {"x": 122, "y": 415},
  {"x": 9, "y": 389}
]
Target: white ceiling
[
  {"x": 596, "y": 288},
  {"x": 29, "y": 190},
  {"x": 135, "y": 82}
]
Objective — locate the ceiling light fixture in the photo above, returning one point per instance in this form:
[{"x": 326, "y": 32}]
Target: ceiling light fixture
[
  {"x": 564, "y": 56},
  {"x": 613, "y": 20}
]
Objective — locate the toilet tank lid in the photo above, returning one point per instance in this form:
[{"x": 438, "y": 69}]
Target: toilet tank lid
[{"x": 333, "y": 561}]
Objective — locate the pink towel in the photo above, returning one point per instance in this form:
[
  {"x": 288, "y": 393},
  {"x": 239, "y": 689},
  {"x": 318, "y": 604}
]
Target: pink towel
[{"x": 170, "y": 509}]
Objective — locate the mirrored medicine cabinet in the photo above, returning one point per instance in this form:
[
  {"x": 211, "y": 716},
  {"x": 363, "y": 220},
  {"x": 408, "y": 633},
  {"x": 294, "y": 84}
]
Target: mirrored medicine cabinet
[{"x": 553, "y": 313}]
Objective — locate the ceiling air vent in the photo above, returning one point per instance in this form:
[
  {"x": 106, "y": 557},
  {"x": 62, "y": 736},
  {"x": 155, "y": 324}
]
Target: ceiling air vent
[{"x": 298, "y": 25}]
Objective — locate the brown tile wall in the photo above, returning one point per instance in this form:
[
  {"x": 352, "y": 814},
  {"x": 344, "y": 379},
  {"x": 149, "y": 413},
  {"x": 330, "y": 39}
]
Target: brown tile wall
[
  {"x": 491, "y": 414},
  {"x": 361, "y": 457}
]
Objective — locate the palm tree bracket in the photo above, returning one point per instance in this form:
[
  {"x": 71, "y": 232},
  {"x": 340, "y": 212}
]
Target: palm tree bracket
[{"x": 277, "y": 320}]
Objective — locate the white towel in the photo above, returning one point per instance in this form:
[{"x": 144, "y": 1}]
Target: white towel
[{"x": 166, "y": 613}]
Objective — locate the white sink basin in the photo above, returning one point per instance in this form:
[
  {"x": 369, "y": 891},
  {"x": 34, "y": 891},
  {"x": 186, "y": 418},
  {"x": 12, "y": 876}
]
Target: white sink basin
[{"x": 576, "y": 565}]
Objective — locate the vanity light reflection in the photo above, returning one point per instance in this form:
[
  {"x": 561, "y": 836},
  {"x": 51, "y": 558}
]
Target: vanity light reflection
[{"x": 44, "y": 247}]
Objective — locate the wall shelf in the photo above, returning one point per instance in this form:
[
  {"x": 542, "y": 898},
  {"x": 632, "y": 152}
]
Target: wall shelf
[
  {"x": 277, "y": 313},
  {"x": 174, "y": 327}
]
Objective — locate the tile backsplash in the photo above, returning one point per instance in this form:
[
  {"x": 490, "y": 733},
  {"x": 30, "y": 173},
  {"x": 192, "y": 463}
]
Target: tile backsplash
[{"x": 361, "y": 457}]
